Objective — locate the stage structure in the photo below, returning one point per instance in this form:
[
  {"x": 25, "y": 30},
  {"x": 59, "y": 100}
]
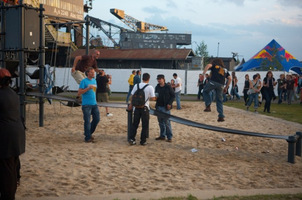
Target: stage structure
[{"x": 25, "y": 38}]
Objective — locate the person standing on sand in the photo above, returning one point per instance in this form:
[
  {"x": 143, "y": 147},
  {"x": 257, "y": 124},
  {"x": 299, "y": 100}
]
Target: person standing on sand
[
  {"x": 216, "y": 82},
  {"x": 142, "y": 113},
  {"x": 12, "y": 138},
  {"x": 165, "y": 97},
  {"x": 177, "y": 86},
  {"x": 130, "y": 81},
  {"x": 90, "y": 108}
]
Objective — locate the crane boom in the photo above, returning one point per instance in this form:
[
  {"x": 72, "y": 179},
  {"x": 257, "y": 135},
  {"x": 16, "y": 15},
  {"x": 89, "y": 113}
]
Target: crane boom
[{"x": 136, "y": 25}]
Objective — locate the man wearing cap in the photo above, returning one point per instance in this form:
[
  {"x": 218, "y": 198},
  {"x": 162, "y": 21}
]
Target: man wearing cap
[
  {"x": 165, "y": 97},
  {"x": 177, "y": 87}
]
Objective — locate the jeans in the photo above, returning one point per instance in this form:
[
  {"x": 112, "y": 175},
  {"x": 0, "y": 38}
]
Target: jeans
[
  {"x": 253, "y": 96},
  {"x": 164, "y": 124},
  {"x": 177, "y": 99},
  {"x": 129, "y": 93},
  {"x": 89, "y": 127},
  {"x": 140, "y": 113},
  {"x": 218, "y": 88},
  {"x": 235, "y": 93}
]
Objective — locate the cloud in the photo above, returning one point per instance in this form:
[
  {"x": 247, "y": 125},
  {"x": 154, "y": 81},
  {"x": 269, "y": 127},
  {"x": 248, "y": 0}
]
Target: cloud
[
  {"x": 236, "y": 2},
  {"x": 291, "y": 3},
  {"x": 153, "y": 10}
]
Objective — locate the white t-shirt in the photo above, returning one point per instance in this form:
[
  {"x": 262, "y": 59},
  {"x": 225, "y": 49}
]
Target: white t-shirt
[
  {"x": 178, "y": 81},
  {"x": 149, "y": 92}
]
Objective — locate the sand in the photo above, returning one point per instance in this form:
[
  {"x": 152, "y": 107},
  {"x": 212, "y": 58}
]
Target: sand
[{"x": 58, "y": 164}]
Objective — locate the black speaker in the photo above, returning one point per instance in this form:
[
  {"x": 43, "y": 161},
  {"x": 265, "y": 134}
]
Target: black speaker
[{"x": 13, "y": 27}]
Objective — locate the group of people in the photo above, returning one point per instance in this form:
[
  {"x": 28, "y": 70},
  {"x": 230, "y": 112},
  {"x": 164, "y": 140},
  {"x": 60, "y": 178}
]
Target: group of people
[
  {"x": 287, "y": 85},
  {"x": 164, "y": 95}
]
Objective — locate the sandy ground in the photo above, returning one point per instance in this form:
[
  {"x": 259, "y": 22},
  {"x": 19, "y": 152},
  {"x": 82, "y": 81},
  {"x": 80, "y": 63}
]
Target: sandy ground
[{"x": 58, "y": 164}]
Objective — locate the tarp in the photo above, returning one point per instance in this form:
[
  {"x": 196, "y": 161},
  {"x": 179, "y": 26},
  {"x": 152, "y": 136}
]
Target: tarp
[{"x": 272, "y": 57}]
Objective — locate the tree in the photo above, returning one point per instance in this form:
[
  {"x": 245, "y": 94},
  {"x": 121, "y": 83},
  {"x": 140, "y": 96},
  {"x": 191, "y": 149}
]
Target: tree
[{"x": 202, "y": 51}]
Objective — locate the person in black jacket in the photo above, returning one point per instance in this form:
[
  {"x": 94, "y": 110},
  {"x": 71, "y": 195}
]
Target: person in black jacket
[
  {"x": 165, "y": 97},
  {"x": 12, "y": 137}
]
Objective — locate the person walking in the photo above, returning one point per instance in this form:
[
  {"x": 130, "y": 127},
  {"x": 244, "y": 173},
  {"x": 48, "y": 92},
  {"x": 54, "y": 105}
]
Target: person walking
[
  {"x": 178, "y": 87},
  {"x": 234, "y": 89},
  {"x": 268, "y": 90},
  {"x": 141, "y": 113},
  {"x": 82, "y": 63},
  {"x": 102, "y": 90},
  {"x": 200, "y": 86},
  {"x": 246, "y": 88},
  {"x": 87, "y": 90},
  {"x": 216, "y": 83},
  {"x": 137, "y": 77},
  {"x": 12, "y": 137},
  {"x": 253, "y": 93},
  {"x": 130, "y": 81},
  {"x": 165, "y": 97}
]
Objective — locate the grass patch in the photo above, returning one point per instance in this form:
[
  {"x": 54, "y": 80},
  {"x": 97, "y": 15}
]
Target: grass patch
[
  {"x": 291, "y": 112},
  {"x": 263, "y": 197},
  {"x": 253, "y": 197}
]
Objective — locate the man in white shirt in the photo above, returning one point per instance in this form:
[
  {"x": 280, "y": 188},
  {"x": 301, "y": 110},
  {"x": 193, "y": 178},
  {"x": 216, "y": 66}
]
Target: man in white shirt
[
  {"x": 177, "y": 86},
  {"x": 141, "y": 113}
]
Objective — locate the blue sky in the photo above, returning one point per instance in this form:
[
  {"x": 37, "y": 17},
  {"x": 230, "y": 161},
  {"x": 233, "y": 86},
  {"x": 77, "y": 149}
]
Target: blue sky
[{"x": 241, "y": 26}]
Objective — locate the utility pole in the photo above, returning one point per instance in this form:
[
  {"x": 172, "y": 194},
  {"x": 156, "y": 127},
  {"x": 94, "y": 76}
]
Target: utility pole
[{"x": 218, "y": 50}]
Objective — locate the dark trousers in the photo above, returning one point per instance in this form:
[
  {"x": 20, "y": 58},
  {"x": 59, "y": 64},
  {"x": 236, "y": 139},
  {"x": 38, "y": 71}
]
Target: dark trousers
[
  {"x": 268, "y": 96},
  {"x": 245, "y": 95},
  {"x": 140, "y": 113},
  {"x": 199, "y": 94},
  {"x": 8, "y": 177}
]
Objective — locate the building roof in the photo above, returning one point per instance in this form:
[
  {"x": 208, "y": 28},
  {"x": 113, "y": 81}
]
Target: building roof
[{"x": 140, "y": 54}]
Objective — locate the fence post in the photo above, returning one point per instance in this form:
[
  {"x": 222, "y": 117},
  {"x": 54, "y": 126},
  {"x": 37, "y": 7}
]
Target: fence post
[
  {"x": 129, "y": 123},
  {"x": 298, "y": 145},
  {"x": 291, "y": 148}
]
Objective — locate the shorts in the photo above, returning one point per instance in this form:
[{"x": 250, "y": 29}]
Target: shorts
[{"x": 102, "y": 97}]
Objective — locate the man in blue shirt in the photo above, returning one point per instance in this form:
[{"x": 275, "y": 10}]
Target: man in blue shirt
[{"x": 89, "y": 105}]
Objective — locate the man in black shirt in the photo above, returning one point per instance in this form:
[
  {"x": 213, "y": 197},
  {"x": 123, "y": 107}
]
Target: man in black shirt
[
  {"x": 165, "y": 96},
  {"x": 216, "y": 82},
  {"x": 102, "y": 93}
]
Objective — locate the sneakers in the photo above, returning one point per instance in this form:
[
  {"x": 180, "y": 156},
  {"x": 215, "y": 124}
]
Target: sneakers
[
  {"x": 89, "y": 141},
  {"x": 143, "y": 143},
  {"x": 169, "y": 140},
  {"x": 132, "y": 142},
  {"x": 109, "y": 115},
  {"x": 160, "y": 138},
  {"x": 220, "y": 119},
  {"x": 208, "y": 109}
]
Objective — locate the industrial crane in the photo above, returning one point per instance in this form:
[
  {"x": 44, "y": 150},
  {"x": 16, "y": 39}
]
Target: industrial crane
[{"x": 136, "y": 25}]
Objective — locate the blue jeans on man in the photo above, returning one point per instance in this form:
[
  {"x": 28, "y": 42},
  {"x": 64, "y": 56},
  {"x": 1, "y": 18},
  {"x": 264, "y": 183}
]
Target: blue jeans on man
[
  {"x": 177, "y": 99},
  {"x": 218, "y": 88},
  {"x": 129, "y": 93},
  {"x": 164, "y": 124},
  {"x": 89, "y": 127}
]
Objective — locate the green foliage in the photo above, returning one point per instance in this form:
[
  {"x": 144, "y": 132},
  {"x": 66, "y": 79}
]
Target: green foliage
[
  {"x": 263, "y": 197},
  {"x": 202, "y": 51}
]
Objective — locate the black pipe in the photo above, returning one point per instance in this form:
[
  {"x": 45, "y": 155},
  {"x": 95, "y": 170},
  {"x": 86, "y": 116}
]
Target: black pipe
[{"x": 41, "y": 65}]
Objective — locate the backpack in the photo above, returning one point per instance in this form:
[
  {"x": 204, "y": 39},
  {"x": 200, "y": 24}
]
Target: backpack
[{"x": 138, "y": 98}]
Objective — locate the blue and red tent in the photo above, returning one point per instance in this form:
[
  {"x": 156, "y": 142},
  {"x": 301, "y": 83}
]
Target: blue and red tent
[{"x": 272, "y": 57}]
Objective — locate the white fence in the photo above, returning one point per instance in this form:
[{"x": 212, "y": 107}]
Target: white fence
[{"x": 120, "y": 78}]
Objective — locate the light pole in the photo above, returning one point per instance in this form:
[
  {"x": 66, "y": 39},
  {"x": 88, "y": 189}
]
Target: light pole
[{"x": 218, "y": 50}]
